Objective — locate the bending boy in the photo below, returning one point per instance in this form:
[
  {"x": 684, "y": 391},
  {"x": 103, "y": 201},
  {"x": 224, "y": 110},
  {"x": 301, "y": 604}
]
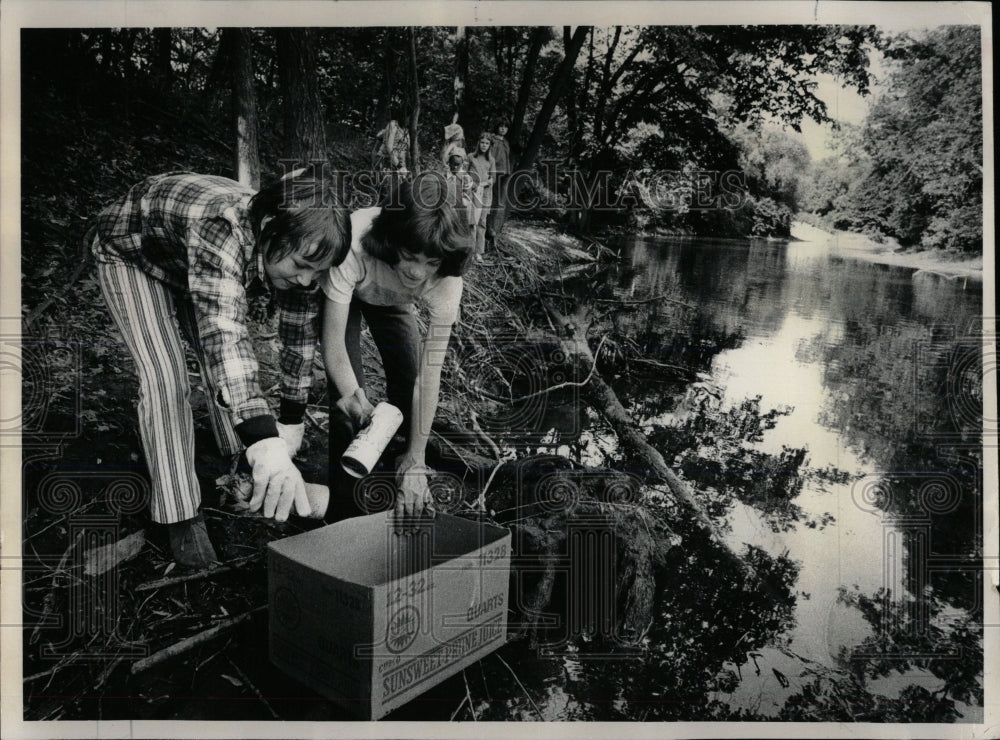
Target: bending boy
[{"x": 176, "y": 256}]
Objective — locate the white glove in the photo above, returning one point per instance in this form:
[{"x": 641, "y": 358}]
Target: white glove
[
  {"x": 292, "y": 434},
  {"x": 277, "y": 483}
]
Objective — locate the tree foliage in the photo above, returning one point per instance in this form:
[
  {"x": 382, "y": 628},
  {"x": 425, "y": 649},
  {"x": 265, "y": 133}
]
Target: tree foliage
[
  {"x": 917, "y": 172},
  {"x": 620, "y": 99},
  {"x": 669, "y": 97}
]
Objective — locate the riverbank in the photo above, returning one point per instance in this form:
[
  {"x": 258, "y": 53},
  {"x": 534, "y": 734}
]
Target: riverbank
[{"x": 859, "y": 246}]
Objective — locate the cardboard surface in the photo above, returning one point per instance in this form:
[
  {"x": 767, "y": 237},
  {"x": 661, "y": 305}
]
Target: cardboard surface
[{"x": 371, "y": 619}]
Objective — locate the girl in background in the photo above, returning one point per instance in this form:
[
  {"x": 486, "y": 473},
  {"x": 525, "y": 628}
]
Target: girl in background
[{"x": 483, "y": 171}]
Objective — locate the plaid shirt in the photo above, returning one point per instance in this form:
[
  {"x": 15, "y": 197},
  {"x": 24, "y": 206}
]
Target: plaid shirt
[{"x": 193, "y": 233}]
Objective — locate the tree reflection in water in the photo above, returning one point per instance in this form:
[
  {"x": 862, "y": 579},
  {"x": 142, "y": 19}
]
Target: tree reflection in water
[{"x": 901, "y": 375}]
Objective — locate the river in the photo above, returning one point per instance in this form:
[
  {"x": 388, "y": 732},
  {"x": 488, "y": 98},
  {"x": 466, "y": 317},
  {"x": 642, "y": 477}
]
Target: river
[{"x": 861, "y": 381}]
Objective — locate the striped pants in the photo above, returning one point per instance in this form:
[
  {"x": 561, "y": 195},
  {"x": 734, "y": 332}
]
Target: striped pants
[{"x": 151, "y": 316}]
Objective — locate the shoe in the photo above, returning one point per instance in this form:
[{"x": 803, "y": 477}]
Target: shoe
[{"x": 190, "y": 544}]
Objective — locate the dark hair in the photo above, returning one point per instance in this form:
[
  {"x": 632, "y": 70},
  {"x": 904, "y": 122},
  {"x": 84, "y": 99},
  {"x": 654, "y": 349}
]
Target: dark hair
[
  {"x": 302, "y": 211},
  {"x": 422, "y": 217}
]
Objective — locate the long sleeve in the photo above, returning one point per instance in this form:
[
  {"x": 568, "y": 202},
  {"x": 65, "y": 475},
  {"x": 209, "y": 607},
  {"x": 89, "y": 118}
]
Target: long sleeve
[
  {"x": 298, "y": 312},
  {"x": 215, "y": 283}
]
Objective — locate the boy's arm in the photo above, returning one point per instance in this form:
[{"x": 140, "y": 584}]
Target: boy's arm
[
  {"x": 298, "y": 313},
  {"x": 215, "y": 284}
]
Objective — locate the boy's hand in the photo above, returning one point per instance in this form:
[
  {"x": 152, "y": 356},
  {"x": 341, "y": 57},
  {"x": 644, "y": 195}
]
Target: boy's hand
[
  {"x": 357, "y": 407},
  {"x": 277, "y": 483}
]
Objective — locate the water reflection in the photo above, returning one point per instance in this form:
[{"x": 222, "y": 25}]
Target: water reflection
[
  {"x": 860, "y": 487},
  {"x": 870, "y": 358}
]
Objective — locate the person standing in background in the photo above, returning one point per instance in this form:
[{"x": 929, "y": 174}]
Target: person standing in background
[
  {"x": 500, "y": 149},
  {"x": 454, "y": 138},
  {"x": 461, "y": 182},
  {"x": 395, "y": 146},
  {"x": 481, "y": 167}
]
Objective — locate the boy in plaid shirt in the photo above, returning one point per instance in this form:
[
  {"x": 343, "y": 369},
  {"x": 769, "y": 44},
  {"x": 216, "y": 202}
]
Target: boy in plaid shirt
[{"x": 176, "y": 255}]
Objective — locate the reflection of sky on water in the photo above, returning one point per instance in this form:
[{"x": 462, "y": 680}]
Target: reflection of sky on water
[
  {"x": 848, "y": 552},
  {"x": 816, "y": 297}
]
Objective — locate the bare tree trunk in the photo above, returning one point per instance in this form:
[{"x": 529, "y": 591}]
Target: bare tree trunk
[
  {"x": 572, "y": 122},
  {"x": 128, "y": 46},
  {"x": 538, "y": 37},
  {"x": 305, "y": 134},
  {"x": 414, "y": 104},
  {"x": 384, "y": 111},
  {"x": 244, "y": 108},
  {"x": 582, "y": 100},
  {"x": 461, "y": 69},
  {"x": 163, "y": 49},
  {"x": 557, "y": 89}
]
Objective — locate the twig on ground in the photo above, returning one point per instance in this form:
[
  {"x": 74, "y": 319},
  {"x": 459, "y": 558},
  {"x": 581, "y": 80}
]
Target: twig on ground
[
  {"x": 568, "y": 383},
  {"x": 458, "y": 708},
  {"x": 535, "y": 706},
  {"x": 474, "y": 418},
  {"x": 203, "y": 663},
  {"x": 62, "y": 519},
  {"x": 468, "y": 697},
  {"x": 35, "y": 676},
  {"x": 194, "y": 641},
  {"x": 315, "y": 423},
  {"x": 54, "y": 714},
  {"x": 197, "y": 576},
  {"x": 481, "y": 501},
  {"x": 485, "y": 686},
  {"x": 250, "y": 684},
  {"x": 106, "y": 673},
  {"x": 50, "y": 598}
]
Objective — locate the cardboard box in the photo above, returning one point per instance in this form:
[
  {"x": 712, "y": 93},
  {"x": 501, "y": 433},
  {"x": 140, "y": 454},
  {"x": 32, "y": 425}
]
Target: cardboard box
[{"x": 371, "y": 619}]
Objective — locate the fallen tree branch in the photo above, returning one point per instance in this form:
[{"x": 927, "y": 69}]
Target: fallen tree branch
[
  {"x": 568, "y": 383},
  {"x": 197, "y": 576},
  {"x": 573, "y": 341},
  {"x": 189, "y": 643}
]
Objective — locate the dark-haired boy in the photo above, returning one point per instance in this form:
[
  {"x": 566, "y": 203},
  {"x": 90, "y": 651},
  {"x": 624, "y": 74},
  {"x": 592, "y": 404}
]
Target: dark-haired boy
[{"x": 175, "y": 257}]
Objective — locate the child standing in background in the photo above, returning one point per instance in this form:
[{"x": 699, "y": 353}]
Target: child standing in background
[
  {"x": 501, "y": 156},
  {"x": 454, "y": 138},
  {"x": 462, "y": 183},
  {"x": 483, "y": 171}
]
